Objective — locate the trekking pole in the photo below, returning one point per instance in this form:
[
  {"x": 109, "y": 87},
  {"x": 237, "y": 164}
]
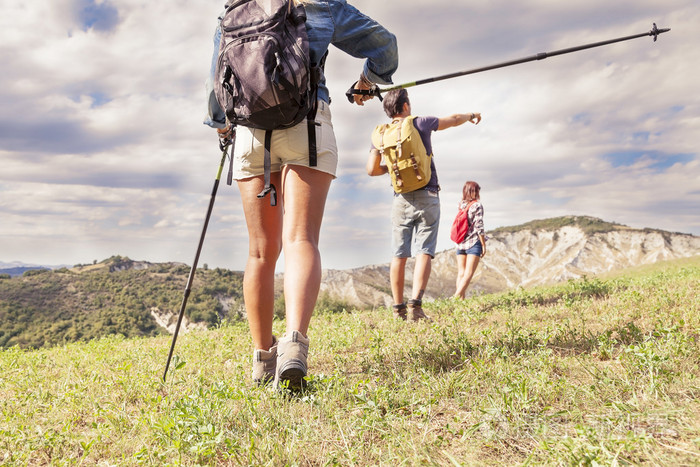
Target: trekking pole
[
  {"x": 377, "y": 91},
  {"x": 224, "y": 146}
]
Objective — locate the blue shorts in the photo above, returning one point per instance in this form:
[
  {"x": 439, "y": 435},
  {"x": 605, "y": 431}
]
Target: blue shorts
[
  {"x": 476, "y": 250},
  {"x": 415, "y": 218}
]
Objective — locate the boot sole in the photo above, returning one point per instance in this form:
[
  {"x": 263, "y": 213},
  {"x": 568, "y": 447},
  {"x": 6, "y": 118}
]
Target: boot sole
[{"x": 294, "y": 375}]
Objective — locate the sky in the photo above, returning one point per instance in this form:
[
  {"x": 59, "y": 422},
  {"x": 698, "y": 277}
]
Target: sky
[{"x": 103, "y": 151}]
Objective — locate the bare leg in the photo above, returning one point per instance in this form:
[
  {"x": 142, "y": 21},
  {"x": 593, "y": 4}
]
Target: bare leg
[
  {"x": 421, "y": 274},
  {"x": 304, "y": 192},
  {"x": 264, "y": 224},
  {"x": 472, "y": 263},
  {"x": 461, "y": 267},
  {"x": 397, "y": 274}
]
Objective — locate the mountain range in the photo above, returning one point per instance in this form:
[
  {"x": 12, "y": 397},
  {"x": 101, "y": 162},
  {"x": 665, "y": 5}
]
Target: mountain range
[
  {"x": 17, "y": 268},
  {"x": 48, "y": 306},
  {"x": 538, "y": 252}
]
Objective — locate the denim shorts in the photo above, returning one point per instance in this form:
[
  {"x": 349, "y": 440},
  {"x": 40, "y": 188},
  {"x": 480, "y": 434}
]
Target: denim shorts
[
  {"x": 415, "y": 218},
  {"x": 288, "y": 146},
  {"x": 476, "y": 250}
]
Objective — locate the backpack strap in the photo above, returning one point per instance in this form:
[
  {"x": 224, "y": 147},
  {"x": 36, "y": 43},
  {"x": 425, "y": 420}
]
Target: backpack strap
[
  {"x": 399, "y": 152},
  {"x": 381, "y": 140},
  {"x": 394, "y": 163},
  {"x": 414, "y": 162},
  {"x": 229, "y": 176},
  {"x": 311, "y": 129},
  {"x": 469, "y": 205},
  {"x": 269, "y": 187},
  {"x": 398, "y": 141},
  {"x": 311, "y": 124}
]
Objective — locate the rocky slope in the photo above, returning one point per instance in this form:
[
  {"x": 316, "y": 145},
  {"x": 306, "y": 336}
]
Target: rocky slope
[
  {"x": 136, "y": 298},
  {"x": 538, "y": 252}
]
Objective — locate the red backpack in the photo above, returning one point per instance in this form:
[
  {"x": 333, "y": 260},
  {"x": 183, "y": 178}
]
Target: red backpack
[{"x": 460, "y": 226}]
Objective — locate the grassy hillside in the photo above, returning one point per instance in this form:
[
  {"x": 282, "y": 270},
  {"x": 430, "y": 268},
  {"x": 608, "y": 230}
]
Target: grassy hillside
[
  {"x": 592, "y": 372},
  {"x": 46, "y": 308}
]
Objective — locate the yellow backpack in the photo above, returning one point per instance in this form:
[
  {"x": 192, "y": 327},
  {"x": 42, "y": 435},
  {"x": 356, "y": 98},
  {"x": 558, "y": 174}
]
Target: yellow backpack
[{"x": 404, "y": 154}]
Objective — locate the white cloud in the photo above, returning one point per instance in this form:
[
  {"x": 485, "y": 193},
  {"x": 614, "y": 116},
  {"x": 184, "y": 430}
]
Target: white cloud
[{"x": 102, "y": 149}]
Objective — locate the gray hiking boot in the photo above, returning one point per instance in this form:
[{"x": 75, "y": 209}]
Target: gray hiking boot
[
  {"x": 265, "y": 363},
  {"x": 292, "y": 353},
  {"x": 415, "y": 311},
  {"x": 400, "y": 311}
]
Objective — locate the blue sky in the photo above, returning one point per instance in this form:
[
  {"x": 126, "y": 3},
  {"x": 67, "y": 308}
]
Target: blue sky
[{"x": 102, "y": 150}]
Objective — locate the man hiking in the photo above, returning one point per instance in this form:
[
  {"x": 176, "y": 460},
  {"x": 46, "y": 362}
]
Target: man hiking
[{"x": 405, "y": 145}]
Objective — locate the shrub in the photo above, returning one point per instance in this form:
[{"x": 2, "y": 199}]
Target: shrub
[{"x": 35, "y": 272}]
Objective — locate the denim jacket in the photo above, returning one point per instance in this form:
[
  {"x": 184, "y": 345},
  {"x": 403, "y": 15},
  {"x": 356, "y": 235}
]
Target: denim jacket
[{"x": 329, "y": 22}]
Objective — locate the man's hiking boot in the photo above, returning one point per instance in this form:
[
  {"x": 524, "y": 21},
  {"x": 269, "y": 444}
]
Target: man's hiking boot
[
  {"x": 400, "y": 311},
  {"x": 265, "y": 363},
  {"x": 415, "y": 311},
  {"x": 292, "y": 352}
]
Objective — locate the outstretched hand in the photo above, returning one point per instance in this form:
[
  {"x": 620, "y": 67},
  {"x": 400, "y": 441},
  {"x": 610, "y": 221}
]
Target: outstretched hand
[{"x": 473, "y": 117}]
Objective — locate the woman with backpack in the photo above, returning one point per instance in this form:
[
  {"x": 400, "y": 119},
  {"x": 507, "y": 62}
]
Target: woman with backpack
[
  {"x": 473, "y": 247},
  {"x": 293, "y": 227}
]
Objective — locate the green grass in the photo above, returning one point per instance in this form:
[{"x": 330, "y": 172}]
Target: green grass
[{"x": 591, "y": 372}]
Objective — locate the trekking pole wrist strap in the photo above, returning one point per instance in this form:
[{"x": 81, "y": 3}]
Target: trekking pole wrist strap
[{"x": 372, "y": 91}]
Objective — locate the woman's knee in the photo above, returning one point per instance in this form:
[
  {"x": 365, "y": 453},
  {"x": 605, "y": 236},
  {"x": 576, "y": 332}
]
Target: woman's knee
[
  {"x": 266, "y": 251},
  {"x": 301, "y": 242}
]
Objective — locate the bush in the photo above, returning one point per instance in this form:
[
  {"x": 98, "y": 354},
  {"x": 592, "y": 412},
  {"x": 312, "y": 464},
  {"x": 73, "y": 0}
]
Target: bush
[
  {"x": 35, "y": 272},
  {"x": 328, "y": 304}
]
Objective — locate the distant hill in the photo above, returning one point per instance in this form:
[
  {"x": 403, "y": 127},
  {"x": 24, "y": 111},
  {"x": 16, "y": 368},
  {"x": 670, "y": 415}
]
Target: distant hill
[
  {"x": 17, "y": 268},
  {"x": 44, "y": 307},
  {"x": 18, "y": 271},
  {"x": 538, "y": 252},
  {"x": 115, "y": 296}
]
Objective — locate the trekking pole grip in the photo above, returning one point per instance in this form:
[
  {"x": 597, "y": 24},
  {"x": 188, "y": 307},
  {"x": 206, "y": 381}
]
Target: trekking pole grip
[{"x": 372, "y": 91}]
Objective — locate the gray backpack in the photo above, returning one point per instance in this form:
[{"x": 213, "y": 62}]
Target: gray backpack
[{"x": 263, "y": 76}]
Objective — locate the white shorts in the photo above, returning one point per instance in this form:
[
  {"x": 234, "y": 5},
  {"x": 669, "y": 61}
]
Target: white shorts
[{"x": 289, "y": 146}]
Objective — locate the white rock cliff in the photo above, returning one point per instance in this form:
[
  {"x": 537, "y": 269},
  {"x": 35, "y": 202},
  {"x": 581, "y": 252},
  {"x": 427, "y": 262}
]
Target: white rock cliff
[{"x": 524, "y": 256}]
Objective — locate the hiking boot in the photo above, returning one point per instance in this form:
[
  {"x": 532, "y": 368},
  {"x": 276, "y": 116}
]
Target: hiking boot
[
  {"x": 292, "y": 352},
  {"x": 415, "y": 311},
  {"x": 265, "y": 363},
  {"x": 400, "y": 311}
]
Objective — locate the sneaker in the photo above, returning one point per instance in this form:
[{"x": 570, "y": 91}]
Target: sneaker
[
  {"x": 400, "y": 311},
  {"x": 292, "y": 353},
  {"x": 265, "y": 363},
  {"x": 415, "y": 311}
]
